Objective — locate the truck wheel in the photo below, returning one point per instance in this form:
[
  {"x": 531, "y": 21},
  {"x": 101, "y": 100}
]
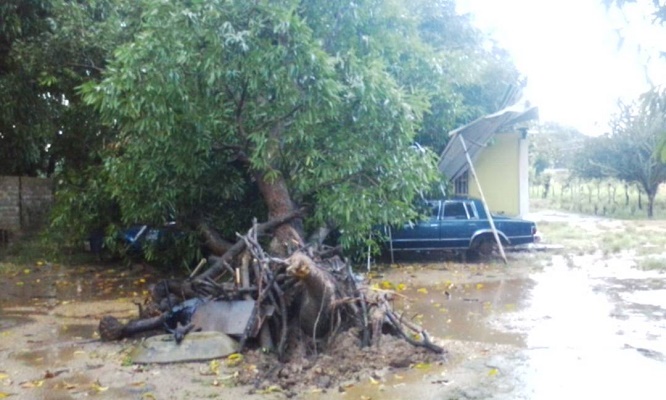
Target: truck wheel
[{"x": 484, "y": 246}]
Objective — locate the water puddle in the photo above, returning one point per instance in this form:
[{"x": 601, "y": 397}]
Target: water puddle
[
  {"x": 590, "y": 334},
  {"x": 49, "y": 358},
  {"x": 459, "y": 312},
  {"x": 49, "y": 285},
  {"x": 76, "y": 331}
]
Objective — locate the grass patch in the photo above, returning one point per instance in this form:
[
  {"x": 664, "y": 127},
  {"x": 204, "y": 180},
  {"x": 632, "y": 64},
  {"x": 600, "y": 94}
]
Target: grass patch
[
  {"x": 562, "y": 233},
  {"x": 8, "y": 267},
  {"x": 33, "y": 249},
  {"x": 652, "y": 263},
  {"x": 608, "y": 198}
]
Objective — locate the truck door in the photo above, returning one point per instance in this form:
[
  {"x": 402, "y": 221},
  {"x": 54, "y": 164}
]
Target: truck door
[{"x": 423, "y": 234}]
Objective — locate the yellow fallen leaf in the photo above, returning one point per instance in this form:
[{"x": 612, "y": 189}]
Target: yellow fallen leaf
[
  {"x": 493, "y": 372},
  {"x": 271, "y": 389},
  {"x": 374, "y": 381},
  {"x": 4, "y": 395},
  {"x": 234, "y": 359},
  {"x": 31, "y": 384},
  {"x": 479, "y": 286},
  {"x": 214, "y": 366},
  {"x": 386, "y": 285},
  {"x": 3, "y": 375},
  {"x": 422, "y": 290},
  {"x": 26, "y": 271},
  {"x": 96, "y": 386},
  {"x": 148, "y": 396},
  {"x": 422, "y": 366},
  {"x": 40, "y": 263}
]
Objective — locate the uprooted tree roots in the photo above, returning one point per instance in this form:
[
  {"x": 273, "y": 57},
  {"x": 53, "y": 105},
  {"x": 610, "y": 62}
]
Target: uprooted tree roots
[{"x": 297, "y": 304}]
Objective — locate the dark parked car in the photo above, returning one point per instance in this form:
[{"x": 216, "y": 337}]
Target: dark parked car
[
  {"x": 459, "y": 224},
  {"x": 131, "y": 240}
]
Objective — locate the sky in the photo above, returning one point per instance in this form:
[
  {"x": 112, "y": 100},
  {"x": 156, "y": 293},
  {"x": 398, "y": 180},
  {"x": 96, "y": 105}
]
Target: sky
[{"x": 571, "y": 54}]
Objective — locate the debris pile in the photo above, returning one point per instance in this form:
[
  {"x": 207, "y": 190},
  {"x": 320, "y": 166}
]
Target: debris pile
[{"x": 293, "y": 307}]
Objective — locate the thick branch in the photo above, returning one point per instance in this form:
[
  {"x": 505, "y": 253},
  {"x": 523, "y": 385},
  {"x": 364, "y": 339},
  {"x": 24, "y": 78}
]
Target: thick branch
[
  {"x": 213, "y": 241},
  {"x": 218, "y": 262}
]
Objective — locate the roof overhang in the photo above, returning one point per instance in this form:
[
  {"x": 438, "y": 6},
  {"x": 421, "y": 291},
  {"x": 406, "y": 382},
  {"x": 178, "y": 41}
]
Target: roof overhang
[{"x": 453, "y": 162}]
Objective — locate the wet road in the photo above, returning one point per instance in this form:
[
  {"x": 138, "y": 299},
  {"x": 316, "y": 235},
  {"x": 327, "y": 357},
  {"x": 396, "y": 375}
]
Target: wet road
[
  {"x": 592, "y": 330},
  {"x": 582, "y": 327}
]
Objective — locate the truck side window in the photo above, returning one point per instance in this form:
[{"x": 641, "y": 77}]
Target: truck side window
[
  {"x": 455, "y": 210},
  {"x": 434, "y": 209},
  {"x": 470, "y": 210}
]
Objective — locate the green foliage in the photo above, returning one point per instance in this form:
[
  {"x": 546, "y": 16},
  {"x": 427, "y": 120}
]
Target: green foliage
[
  {"x": 654, "y": 98},
  {"x": 154, "y": 111},
  {"x": 551, "y": 145},
  {"x": 329, "y": 116},
  {"x": 629, "y": 152},
  {"x": 654, "y": 102},
  {"x": 57, "y": 46}
]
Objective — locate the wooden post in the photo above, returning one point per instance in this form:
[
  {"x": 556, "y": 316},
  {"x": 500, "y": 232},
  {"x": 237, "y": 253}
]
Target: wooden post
[{"x": 483, "y": 200}]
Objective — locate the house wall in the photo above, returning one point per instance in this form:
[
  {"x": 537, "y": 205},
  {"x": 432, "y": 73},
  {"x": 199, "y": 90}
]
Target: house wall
[
  {"x": 502, "y": 172},
  {"x": 25, "y": 203}
]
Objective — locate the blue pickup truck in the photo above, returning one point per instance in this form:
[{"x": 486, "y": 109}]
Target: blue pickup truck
[{"x": 459, "y": 224}]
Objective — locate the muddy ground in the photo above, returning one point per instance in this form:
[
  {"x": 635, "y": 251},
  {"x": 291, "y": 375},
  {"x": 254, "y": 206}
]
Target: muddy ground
[{"x": 583, "y": 317}]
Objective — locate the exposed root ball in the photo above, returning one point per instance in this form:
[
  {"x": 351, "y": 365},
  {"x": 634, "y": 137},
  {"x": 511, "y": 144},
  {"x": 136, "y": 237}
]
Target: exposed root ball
[{"x": 317, "y": 297}]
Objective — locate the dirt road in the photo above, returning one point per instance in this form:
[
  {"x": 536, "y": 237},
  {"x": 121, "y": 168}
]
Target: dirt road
[{"x": 584, "y": 321}]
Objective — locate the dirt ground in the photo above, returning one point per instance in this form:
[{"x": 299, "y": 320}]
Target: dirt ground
[{"x": 590, "y": 303}]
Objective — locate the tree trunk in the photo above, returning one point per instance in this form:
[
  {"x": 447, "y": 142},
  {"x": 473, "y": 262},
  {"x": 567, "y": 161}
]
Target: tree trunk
[
  {"x": 650, "y": 205},
  {"x": 287, "y": 237}
]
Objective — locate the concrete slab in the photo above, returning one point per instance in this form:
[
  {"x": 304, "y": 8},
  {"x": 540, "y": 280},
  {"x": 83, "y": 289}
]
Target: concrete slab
[{"x": 196, "y": 346}]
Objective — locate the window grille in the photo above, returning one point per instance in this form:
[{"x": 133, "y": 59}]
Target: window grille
[{"x": 462, "y": 185}]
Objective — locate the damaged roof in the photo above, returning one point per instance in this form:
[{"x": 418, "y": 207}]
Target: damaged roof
[{"x": 452, "y": 161}]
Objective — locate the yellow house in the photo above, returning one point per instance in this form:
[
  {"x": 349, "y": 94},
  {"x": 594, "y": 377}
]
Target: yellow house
[{"x": 496, "y": 145}]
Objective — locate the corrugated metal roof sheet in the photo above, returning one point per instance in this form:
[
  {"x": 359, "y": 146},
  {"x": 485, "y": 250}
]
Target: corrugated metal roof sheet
[{"x": 452, "y": 161}]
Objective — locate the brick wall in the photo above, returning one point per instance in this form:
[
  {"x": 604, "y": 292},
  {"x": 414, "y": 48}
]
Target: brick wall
[{"x": 25, "y": 203}]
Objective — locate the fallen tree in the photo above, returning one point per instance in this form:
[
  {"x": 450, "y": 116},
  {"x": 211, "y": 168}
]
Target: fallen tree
[{"x": 296, "y": 304}]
